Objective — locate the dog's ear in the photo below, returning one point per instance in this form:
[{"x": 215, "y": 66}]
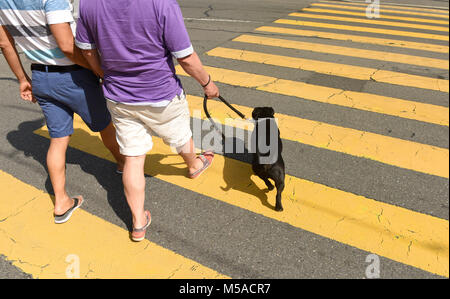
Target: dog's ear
[{"x": 256, "y": 113}]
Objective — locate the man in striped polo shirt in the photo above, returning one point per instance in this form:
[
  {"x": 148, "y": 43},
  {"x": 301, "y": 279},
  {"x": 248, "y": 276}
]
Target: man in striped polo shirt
[{"x": 61, "y": 83}]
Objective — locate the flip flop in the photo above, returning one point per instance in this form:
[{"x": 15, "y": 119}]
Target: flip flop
[
  {"x": 207, "y": 158},
  {"x": 138, "y": 234},
  {"x": 77, "y": 202}
]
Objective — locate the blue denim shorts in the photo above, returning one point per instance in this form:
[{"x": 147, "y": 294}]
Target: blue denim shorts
[{"x": 60, "y": 95}]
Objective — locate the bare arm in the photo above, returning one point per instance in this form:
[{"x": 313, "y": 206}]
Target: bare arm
[
  {"x": 66, "y": 42},
  {"x": 12, "y": 57},
  {"x": 93, "y": 60},
  {"x": 194, "y": 67}
]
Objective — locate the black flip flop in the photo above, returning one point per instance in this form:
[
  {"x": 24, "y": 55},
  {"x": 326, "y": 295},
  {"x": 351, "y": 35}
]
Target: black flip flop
[{"x": 66, "y": 216}]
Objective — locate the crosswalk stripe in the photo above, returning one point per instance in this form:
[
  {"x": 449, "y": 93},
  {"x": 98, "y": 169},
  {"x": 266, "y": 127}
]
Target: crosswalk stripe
[
  {"x": 382, "y": 11},
  {"x": 30, "y": 239},
  {"x": 357, "y": 100},
  {"x": 334, "y": 69},
  {"x": 356, "y": 38},
  {"x": 385, "y": 149},
  {"x": 402, "y": 235},
  {"x": 363, "y": 29},
  {"x": 422, "y": 9},
  {"x": 369, "y": 21},
  {"x": 382, "y": 17},
  {"x": 344, "y": 51}
]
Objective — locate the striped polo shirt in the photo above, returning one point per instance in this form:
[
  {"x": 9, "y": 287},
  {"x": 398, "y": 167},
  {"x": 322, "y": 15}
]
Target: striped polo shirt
[{"x": 28, "y": 23}]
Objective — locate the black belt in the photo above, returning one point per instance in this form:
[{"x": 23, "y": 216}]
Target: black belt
[{"x": 55, "y": 68}]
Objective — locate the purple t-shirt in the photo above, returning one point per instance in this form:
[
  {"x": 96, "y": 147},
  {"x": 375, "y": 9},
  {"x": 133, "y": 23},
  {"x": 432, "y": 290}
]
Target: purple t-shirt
[{"x": 136, "y": 40}]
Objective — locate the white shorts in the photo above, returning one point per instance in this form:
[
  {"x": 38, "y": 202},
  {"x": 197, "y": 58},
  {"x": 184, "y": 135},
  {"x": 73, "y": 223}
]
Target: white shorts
[{"x": 135, "y": 125}]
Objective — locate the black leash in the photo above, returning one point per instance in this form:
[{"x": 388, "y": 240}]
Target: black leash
[{"x": 205, "y": 108}]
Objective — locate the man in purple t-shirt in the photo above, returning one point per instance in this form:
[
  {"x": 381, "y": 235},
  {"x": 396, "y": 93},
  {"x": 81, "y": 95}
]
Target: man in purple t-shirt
[{"x": 136, "y": 40}]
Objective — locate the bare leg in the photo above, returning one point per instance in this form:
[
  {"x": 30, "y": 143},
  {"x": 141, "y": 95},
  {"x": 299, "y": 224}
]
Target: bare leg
[
  {"x": 188, "y": 154},
  {"x": 134, "y": 187},
  {"x": 56, "y": 164},
  {"x": 109, "y": 140}
]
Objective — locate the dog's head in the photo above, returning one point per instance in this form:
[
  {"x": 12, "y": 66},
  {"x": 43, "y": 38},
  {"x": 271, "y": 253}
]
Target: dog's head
[{"x": 263, "y": 112}]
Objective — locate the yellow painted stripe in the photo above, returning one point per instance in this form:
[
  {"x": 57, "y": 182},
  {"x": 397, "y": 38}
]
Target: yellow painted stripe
[
  {"x": 363, "y": 29},
  {"x": 370, "y": 21},
  {"x": 402, "y": 235},
  {"x": 334, "y": 69},
  {"x": 34, "y": 244},
  {"x": 356, "y": 38},
  {"x": 357, "y": 100},
  {"x": 344, "y": 51},
  {"x": 422, "y": 9},
  {"x": 382, "y": 17},
  {"x": 383, "y": 11}
]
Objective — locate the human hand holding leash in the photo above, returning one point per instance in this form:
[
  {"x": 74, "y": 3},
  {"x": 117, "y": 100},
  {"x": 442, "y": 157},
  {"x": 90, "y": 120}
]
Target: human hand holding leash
[{"x": 210, "y": 89}]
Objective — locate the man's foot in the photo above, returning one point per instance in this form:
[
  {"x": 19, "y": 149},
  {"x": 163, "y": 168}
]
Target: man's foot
[
  {"x": 65, "y": 216},
  {"x": 205, "y": 160},
  {"x": 138, "y": 234}
]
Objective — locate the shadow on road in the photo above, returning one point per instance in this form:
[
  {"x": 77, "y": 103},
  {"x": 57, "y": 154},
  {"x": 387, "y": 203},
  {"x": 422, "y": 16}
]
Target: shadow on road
[{"x": 24, "y": 140}]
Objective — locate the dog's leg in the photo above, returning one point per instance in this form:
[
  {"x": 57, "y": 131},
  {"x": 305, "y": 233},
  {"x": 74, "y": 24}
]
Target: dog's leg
[
  {"x": 280, "y": 187},
  {"x": 269, "y": 184}
]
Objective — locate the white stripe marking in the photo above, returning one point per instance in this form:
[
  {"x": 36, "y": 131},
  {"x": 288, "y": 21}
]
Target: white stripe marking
[{"x": 221, "y": 20}]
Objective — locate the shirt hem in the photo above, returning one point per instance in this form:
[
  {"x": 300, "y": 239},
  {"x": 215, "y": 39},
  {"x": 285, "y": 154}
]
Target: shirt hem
[{"x": 183, "y": 53}]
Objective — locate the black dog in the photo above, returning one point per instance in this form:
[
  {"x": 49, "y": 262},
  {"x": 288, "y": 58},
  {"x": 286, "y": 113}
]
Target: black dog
[{"x": 267, "y": 161}]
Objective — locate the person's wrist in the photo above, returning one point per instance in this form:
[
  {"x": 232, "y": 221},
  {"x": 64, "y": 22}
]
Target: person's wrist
[
  {"x": 23, "y": 79},
  {"x": 207, "y": 83}
]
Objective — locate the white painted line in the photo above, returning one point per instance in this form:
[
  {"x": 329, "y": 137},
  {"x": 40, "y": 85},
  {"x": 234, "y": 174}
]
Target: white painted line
[{"x": 220, "y": 20}]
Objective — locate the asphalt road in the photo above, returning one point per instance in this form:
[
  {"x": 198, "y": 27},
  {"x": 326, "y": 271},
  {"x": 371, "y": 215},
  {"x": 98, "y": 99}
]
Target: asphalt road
[{"x": 231, "y": 240}]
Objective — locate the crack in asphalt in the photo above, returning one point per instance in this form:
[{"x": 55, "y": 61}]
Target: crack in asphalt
[
  {"x": 206, "y": 12},
  {"x": 19, "y": 210}
]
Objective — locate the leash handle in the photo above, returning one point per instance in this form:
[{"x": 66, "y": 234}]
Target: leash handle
[{"x": 226, "y": 103}]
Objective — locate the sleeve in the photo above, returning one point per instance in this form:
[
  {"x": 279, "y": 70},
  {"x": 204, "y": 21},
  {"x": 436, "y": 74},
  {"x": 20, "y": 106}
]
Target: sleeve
[
  {"x": 176, "y": 37},
  {"x": 84, "y": 38},
  {"x": 58, "y": 11}
]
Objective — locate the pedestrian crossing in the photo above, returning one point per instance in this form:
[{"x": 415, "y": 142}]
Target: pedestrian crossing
[
  {"x": 96, "y": 244},
  {"x": 398, "y": 6},
  {"x": 384, "y": 16},
  {"x": 344, "y": 51},
  {"x": 368, "y": 21},
  {"x": 356, "y": 38},
  {"x": 334, "y": 69},
  {"x": 383, "y": 10},
  {"x": 370, "y": 224},
  {"x": 362, "y": 29},
  {"x": 329, "y": 212},
  {"x": 335, "y": 96}
]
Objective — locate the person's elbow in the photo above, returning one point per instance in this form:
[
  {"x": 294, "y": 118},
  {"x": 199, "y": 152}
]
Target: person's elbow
[
  {"x": 67, "y": 49},
  {"x": 187, "y": 60},
  {"x": 5, "y": 45}
]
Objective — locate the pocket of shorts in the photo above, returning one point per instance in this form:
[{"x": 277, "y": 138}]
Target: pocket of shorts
[
  {"x": 38, "y": 81},
  {"x": 181, "y": 99}
]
